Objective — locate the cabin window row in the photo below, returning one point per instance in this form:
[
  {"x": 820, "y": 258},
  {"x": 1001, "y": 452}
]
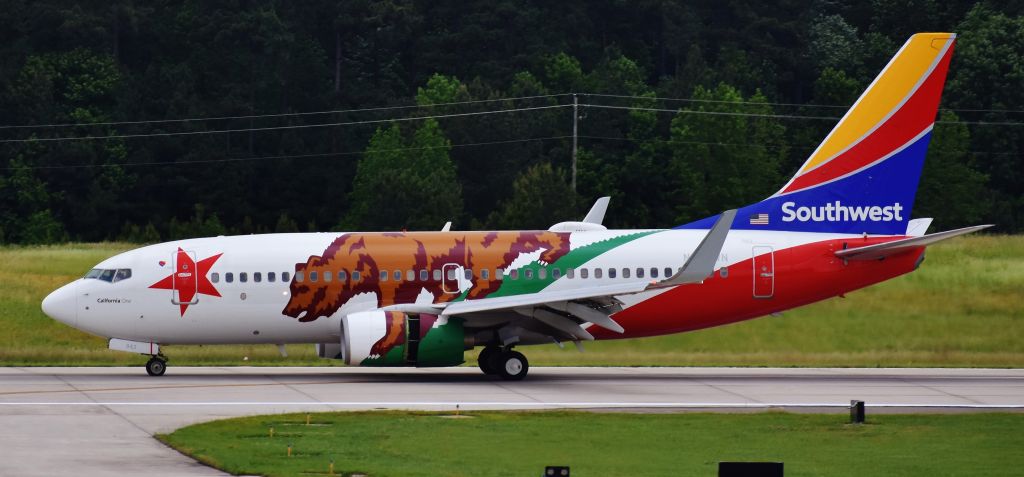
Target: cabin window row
[
  {"x": 257, "y": 277},
  {"x": 424, "y": 275}
]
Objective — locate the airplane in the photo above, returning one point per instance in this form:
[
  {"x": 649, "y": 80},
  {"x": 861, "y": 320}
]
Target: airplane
[{"x": 423, "y": 299}]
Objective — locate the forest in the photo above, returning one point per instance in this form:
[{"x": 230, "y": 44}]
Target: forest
[{"x": 149, "y": 121}]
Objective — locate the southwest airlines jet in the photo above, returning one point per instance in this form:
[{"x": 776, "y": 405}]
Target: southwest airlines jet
[{"x": 424, "y": 298}]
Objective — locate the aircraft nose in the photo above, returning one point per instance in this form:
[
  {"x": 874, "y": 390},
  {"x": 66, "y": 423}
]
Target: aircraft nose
[{"x": 62, "y": 304}]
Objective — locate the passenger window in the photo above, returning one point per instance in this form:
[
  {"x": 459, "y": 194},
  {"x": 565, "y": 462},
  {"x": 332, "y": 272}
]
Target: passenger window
[
  {"x": 313, "y": 276},
  {"x": 215, "y": 277},
  {"x": 499, "y": 274},
  {"x": 528, "y": 273},
  {"x": 398, "y": 275},
  {"x": 485, "y": 274},
  {"x": 122, "y": 274},
  {"x": 437, "y": 275},
  {"x": 570, "y": 273},
  {"x": 542, "y": 273},
  {"x": 555, "y": 273},
  {"x": 383, "y": 275},
  {"x": 668, "y": 272},
  {"x": 639, "y": 272},
  {"x": 723, "y": 272},
  {"x": 611, "y": 273},
  {"x": 300, "y": 276},
  {"x": 355, "y": 275},
  {"x": 598, "y": 272},
  {"x": 285, "y": 276},
  {"x": 271, "y": 276},
  {"x": 410, "y": 275},
  {"x": 451, "y": 274},
  {"x": 229, "y": 277},
  {"x": 257, "y": 277},
  {"x": 584, "y": 273},
  {"x": 424, "y": 275},
  {"x": 625, "y": 273},
  {"x": 328, "y": 275},
  {"x": 342, "y": 275},
  {"x": 243, "y": 277},
  {"x": 654, "y": 272},
  {"x": 513, "y": 274},
  {"x": 468, "y": 274}
]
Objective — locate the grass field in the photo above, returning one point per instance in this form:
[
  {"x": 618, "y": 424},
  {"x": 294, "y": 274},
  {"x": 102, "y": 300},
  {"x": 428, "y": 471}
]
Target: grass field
[
  {"x": 964, "y": 307},
  {"x": 594, "y": 444}
]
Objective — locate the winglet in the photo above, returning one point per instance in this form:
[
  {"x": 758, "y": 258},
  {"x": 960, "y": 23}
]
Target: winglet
[
  {"x": 596, "y": 214},
  {"x": 701, "y": 263},
  {"x": 447, "y": 226}
]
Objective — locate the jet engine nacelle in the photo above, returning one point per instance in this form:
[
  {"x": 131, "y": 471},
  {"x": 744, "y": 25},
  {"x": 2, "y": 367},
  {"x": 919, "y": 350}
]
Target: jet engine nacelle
[{"x": 391, "y": 338}]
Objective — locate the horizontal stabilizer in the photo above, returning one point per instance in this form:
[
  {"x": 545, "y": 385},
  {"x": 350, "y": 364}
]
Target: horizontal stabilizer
[{"x": 872, "y": 252}]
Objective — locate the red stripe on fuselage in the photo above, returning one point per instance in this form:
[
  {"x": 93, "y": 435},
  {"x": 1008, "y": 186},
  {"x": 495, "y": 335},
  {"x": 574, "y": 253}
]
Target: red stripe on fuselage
[
  {"x": 913, "y": 117},
  {"x": 803, "y": 274}
]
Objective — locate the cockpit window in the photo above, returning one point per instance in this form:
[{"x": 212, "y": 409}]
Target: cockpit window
[
  {"x": 109, "y": 275},
  {"x": 122, "y": 274}
]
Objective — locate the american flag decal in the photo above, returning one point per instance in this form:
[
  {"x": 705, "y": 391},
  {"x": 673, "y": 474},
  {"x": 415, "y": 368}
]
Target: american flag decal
[{"x": 759, "y": 219}]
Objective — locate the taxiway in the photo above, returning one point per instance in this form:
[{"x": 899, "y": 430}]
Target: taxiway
[{"x": 99, "y": 421}]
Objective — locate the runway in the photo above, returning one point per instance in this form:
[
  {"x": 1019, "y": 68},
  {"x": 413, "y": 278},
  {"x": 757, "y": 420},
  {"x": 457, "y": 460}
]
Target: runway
[{"x": 99, "y": 421}]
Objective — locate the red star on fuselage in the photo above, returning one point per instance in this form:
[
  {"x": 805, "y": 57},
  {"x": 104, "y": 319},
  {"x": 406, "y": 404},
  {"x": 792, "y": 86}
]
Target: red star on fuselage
[{"x": 189, "y": 278}]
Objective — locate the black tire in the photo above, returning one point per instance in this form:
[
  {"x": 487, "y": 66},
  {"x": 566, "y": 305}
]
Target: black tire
[
  {"x": 512, "y": 365},
  {"x": 156, "y": 366},
  {"x": 486, "y": 360}
]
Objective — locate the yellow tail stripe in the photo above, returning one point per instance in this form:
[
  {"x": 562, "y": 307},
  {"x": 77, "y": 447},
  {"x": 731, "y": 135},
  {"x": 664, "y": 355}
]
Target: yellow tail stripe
[{"x": 888, "y": 91}]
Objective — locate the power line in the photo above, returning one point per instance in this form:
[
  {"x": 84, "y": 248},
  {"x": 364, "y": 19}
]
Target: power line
[
  {"x": 271, "y": 128},
  {"x": 798, "y": 105},
  {"x": 712, "y": 113},
  {"x": 784, "y": 116},
  {"x": 289, "y": 156},
  {"x": 755, "y": 144},
  {"x": 281, "y": 115}
]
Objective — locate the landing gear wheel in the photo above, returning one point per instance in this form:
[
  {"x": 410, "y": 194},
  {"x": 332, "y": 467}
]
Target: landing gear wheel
[
  {"x": 156, "y": 366},
  {"x": 486, "y": 360},
  {"x": 512, "y": 365}
]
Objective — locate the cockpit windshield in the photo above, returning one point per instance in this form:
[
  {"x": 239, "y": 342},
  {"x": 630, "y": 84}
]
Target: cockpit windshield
[{"x": 110, "y": 275}]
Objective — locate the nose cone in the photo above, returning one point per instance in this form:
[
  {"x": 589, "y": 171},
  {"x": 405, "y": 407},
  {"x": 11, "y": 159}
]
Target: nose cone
[{"x": 62, "y": 304}]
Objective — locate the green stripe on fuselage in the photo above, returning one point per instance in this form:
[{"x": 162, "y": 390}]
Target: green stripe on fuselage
[{"x": 573, "y": 259}]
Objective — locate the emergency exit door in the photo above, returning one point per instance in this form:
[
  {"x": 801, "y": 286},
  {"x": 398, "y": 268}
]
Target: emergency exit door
[{"x": 764, "y": 271}]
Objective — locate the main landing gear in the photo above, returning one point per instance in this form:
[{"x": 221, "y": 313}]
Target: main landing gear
[
  {"x": 156, "y": 366},
  {"x": 510, "y": 365}
]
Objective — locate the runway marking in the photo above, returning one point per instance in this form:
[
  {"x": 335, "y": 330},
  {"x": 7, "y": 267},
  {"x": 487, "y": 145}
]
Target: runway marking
[{"x": 389, "y": 405}]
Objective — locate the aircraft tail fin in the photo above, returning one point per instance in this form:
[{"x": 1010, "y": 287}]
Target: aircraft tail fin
[{"x": 863, "y": 177}]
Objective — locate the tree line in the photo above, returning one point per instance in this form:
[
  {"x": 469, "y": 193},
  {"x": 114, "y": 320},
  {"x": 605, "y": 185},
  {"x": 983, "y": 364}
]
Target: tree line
[{"x": 148, "y": 121}]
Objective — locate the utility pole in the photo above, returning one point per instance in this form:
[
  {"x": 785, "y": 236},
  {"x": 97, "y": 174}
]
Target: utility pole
[{"x": 575, "y": 126}]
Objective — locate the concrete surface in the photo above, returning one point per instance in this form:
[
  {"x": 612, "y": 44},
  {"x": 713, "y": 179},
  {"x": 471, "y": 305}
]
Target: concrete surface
[{"x": 99, "y": 421}]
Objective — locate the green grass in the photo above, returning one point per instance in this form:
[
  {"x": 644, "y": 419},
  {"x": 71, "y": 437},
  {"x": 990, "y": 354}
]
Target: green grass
[
  {"x": 964, "y": 307},
  {"x": 604, "y": 444}
]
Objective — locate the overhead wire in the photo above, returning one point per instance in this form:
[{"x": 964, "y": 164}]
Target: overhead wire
[
  {"x": 274, "y": 128},
  {"x": 286, "y": 156},
  {"x": 281, "y": 115}
]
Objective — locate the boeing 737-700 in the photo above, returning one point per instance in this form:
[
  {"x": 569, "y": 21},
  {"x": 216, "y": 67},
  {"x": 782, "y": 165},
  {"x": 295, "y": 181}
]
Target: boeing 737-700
[{"x": 841, "y": 223}]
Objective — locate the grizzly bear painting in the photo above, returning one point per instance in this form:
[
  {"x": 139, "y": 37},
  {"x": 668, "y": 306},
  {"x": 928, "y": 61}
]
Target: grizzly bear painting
[{"x": 369, "y": 254}]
